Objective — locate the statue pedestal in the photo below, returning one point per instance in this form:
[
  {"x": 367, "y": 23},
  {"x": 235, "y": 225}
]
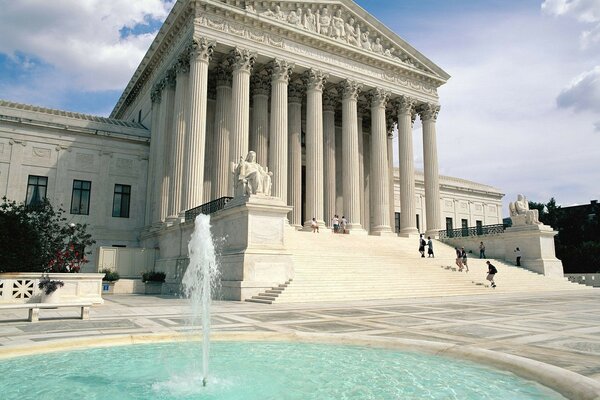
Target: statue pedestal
[
  {"x": 253, "y": 256},
  {"x": 536, "y": 243}
]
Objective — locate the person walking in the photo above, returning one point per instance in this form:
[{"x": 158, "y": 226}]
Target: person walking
[
  {"x": 518, "y": 255},
  {"x": 430, "y": 247},
  {"x": 492, "y": 271},
  {"x": 458, "y": 259},
  {"x": 343, "y": 224},
  {"x": 481, "y": 250},
  {"x": 422, "y": 246},
  {"x": 314, "y": 225},
  {"x": 335, "y": 222},
  {"x": 463, "y": 256}
]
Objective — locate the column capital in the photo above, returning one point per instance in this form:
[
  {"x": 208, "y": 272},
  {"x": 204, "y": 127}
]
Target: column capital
[
  {"x": 378, "y": 97},
  {"x": 223, "y": 73},
  {"x": 428, "y": 111},
  {"x": 182, "y": 65},
  {"x": 156, "y": 93},
  {"x": 295, "y": 92},
  {"x": 260, "y": 84},
  {"x": 390, "y": 122},
  {"x": 280, "y": 70},
  {"x": 330, "y": 99},
  {"x": 405, "y": 105},
  {"x": 350, "y": 89},
  {"x": 170, "y": 78},
  {"x": 242, "y": 59},
  {"x": 315, "y": 79},
  {"x": 202, "y": 49}
]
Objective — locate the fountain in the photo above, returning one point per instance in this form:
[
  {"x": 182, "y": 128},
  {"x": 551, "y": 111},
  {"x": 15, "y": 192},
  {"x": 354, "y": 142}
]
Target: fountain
[{"x": 201, "y": 277}]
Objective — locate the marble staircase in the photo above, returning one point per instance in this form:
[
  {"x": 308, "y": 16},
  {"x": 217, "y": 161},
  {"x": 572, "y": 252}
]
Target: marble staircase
[{"x": 335, "y": 267}]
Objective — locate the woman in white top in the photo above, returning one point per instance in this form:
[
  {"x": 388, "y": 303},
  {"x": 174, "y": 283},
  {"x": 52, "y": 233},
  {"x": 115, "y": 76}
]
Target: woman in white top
[{"x": 314, "y": 225}]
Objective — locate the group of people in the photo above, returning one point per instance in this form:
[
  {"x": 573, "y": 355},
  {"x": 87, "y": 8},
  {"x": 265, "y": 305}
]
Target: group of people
[
  {"x": 429, "y": 244},
  {"x": 339, "y": 224},
  {"x": 461, "y": 257}
]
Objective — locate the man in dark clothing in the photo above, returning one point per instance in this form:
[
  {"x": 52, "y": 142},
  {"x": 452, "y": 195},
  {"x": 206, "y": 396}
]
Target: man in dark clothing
[
  {"x": 491, "y": 272},
  {"x": 422, "y": 246}
]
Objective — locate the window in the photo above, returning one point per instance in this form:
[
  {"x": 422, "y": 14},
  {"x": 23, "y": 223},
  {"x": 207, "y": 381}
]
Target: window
[
  {"x": 36, "y": 189},
  {"x": 449, "y": 224},
  {"x": 465, "y": 227},
  {"x": 396, "y": 222},
  {"x": 140, "y": 116},
  {"x": 418, "y": 225},
  {"x": 80, "y": 199},
  {"x": 121, "y": 201}
]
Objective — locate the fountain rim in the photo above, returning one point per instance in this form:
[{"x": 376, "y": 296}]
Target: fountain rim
[{"x": 567, "y": 383}]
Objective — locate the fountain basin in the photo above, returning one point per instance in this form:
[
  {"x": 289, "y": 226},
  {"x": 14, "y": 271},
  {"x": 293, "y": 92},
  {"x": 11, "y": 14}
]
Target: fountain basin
[{"x": 284, "y": 367}]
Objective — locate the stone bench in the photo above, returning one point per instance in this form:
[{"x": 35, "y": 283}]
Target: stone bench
[{"x": 34, "y": 308}]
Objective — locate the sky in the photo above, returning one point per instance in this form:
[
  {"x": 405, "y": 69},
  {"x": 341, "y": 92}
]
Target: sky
[{"x": 521, "y": 111}]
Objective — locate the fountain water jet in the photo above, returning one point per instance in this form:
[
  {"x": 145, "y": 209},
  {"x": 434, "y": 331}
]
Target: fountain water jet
[{"x": 201, "y": 277}]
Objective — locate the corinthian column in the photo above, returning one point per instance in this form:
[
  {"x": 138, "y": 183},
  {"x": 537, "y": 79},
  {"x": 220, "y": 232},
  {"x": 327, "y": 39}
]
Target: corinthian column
[
  {"x": 350, "y": 164},
  {"x": 361, "y": 112},
  {"x": 163, "y": 167},
  {"x": 178, "y": 139},
  {"x": 390, "y": 160},
  {"x": 221, "y": 170},
  {"x": 209, "y": 160},
  {"x": 295, "y": 153},
  {"x": 242, "y": 62},
  {"x": 151, "y": 184},
  {"x": 408, "y": 209},
  {"x": 314, "y": 81},
  {"x": 259, "y": 134},
  {"x": 194, "y": 153},
  {"x": 429, "y": 113},
  {"x": 330, "y": 99},
  {"x": 278, "y": 135},
  {"x": 379, "y": 184}
]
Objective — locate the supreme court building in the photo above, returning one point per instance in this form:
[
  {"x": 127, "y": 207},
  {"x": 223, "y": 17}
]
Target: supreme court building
[{"x": 317, "y": 89}]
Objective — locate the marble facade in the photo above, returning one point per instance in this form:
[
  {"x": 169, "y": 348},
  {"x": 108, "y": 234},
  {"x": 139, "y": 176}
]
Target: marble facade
[{"x": 315, "y": 89}]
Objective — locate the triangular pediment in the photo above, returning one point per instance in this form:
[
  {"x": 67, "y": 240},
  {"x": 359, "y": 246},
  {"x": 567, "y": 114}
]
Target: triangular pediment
[{"x": 346, "y": 23}]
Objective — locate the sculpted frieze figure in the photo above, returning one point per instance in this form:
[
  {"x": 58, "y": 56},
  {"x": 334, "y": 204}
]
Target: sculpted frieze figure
[
  {"x": 377, "y": 47},
  {"x": 294, "y": 18},
  {"x": 309, "y": 20},
  {"x": 338, "y": 26},
  {"x": 365, "y": 42},
  {"x": 276, "y": 13},
  {"x": 249, "y": 177},
  {"x": 352, "y": 33},
  {"x": 520, "y": 214},
  {"x": 324, "y": 21}
]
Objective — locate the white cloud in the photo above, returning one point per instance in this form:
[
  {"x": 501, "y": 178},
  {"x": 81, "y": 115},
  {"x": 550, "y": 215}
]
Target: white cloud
[
  {"x": 583, "y": 93},
  {"x": 583, "y": 10},
  {"x": 80, "y": 39}
]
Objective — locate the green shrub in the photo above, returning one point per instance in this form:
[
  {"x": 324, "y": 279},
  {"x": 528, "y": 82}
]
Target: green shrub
[
  {"x": 153, "y": 276},
  {"x": 110, "y": 275}
]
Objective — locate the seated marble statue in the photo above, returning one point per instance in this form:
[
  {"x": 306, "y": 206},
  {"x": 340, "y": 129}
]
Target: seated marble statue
[
  {"x": 521, "y": 214},
  {"x": 249, "y": 177}
]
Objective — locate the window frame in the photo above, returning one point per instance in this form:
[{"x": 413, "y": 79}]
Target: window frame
[
  {"x": 80, "y": 192},
  {"x": 121, "y": 195},
  {"x": 36, "y": 185}
]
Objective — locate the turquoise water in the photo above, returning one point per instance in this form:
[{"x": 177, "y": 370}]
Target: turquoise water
[{"x": 256, "y": 370}]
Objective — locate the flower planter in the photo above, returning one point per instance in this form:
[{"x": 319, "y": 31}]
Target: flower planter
[
  {"x": 108, "y": 287},
  {"x": 153, "y": 288},
  {"x": 52, "y": 298}
]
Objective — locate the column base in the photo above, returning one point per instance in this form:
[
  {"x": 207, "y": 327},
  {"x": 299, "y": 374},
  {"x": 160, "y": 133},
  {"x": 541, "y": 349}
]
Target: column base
[
  {"x": 382, "y": 231},
  {"x": 356, "y": 229},
  {"x": 410, "y": 231}
]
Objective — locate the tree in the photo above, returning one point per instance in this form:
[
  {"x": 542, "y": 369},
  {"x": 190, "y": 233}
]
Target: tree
[
  {"x": 37, "y": 238},
  {"x": 578, "y": 241}
]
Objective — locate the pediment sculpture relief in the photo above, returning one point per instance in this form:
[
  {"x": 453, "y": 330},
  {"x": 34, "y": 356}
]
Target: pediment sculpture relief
[{"x": 338, "y": 26}]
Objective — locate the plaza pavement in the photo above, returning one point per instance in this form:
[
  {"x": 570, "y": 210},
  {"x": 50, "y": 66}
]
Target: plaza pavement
[{"x": 561, "y": 329}]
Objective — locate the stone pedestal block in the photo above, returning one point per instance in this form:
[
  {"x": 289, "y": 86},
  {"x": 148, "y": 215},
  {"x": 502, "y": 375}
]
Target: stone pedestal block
[
  {"x": 253, "y": 257},
  {"x": 536, "y": 243}
]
